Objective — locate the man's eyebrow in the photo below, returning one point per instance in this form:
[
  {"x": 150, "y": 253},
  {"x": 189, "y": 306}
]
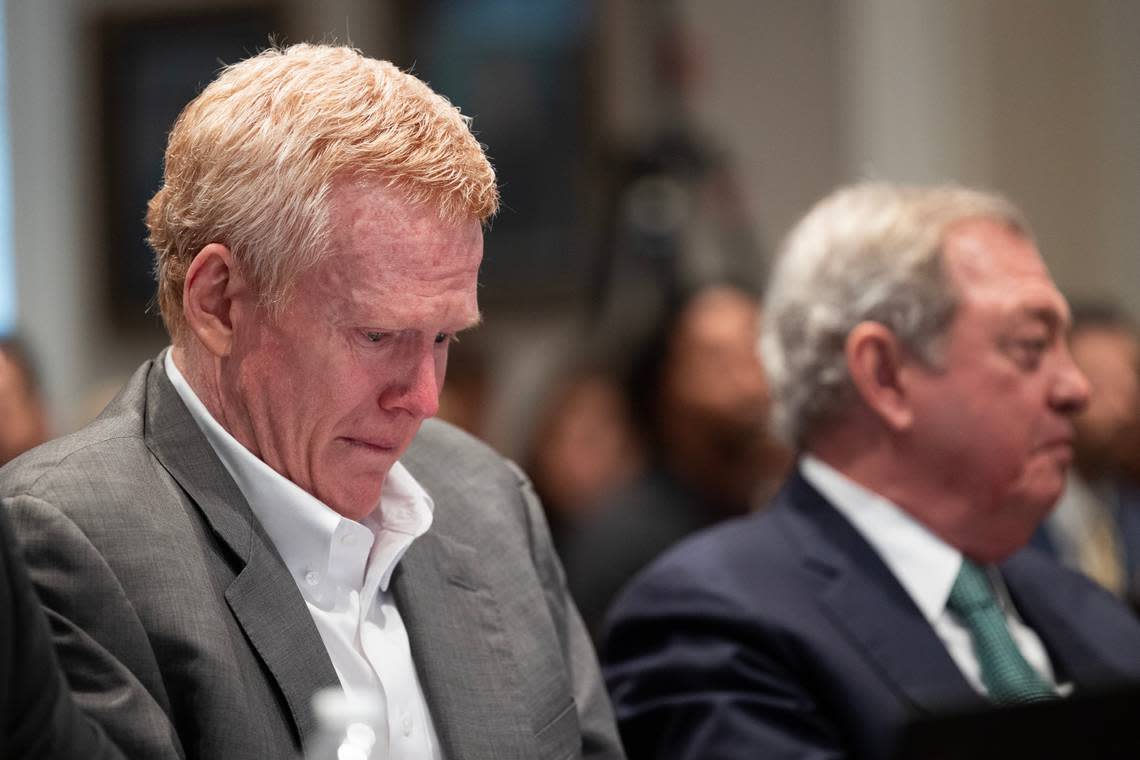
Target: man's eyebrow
[{"x": 1053, "y": 318}]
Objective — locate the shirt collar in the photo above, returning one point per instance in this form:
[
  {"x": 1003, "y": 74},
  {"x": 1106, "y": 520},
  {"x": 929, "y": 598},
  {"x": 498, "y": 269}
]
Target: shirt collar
[
  {"x": 923, "y": 563},
  {"x": 321, "y": 548}
]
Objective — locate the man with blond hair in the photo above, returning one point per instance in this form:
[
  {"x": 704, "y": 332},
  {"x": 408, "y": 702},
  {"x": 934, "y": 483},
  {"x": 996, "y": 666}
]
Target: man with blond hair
[
  {"x": 915, "y": 345},
  {"x": 260, "y": 515}
]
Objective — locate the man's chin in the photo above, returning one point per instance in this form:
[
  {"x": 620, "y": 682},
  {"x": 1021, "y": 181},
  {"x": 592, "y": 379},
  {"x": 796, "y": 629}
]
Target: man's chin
[
  {"x": 1040, "y": 488},
  {"x": 1001, "y": 547},
  {"x": 1022, "y": 521},
  {"x": 355, "y": 503}
]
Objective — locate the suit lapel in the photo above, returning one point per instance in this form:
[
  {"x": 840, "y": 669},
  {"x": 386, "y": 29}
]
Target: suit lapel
[
  {"x": 263, "y": 596},
  {"x": 866, "y": 601},
  {"x": 282, "y": 632},
  {"x": 1052, "y": 604},
  {"x": 462, "y": 651}
]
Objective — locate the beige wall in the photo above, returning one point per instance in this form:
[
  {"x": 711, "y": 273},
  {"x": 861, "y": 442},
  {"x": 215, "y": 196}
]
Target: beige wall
[{"x": 1050, "y": 103}]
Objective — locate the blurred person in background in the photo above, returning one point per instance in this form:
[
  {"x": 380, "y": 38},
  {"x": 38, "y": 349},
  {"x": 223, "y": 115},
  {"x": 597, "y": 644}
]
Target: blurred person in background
[
  {"x": 699, "y": 398},
  {"x": 915, "y": 347},
  {"x": 584, "y": 448},
  {"x": 463, "y": 400},
  {"x": 678, "y": 265},
  {"x": 23, "y": 417},
  {"x": 266, "y": 511},
  {"x": 1096, "y": 525}
]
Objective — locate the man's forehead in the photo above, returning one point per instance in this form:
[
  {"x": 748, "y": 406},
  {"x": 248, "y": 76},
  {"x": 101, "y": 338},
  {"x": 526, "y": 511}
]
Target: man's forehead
[
  {"x": 393, "y": 292},
  {"x": 980, "y": 245},
  {"x": 376, "y": 229},
  {"x": 1022, "y": 297},
  {"x": 988, "y": 261},
  {"x": 981, "y": 252},
  {"x": 348, "y": 287},
  {"x": 368, "y": 201}
]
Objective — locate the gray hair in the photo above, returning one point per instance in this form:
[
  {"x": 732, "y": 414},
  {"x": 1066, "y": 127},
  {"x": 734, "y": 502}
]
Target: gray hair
[{"x": 868, "y": 252}]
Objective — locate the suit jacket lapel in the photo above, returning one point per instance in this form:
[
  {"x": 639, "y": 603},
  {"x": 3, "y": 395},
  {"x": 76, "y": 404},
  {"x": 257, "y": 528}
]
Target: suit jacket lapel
[
  {"x": 864, "y": 599},
  {"x": 462, "y": 651},
  {"x": 263, "y": 596},
  {"x": 1050, "y": 604}
]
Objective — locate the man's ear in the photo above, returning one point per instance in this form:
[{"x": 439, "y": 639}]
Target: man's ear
[
  {"x": 212, "y": 284},
  {"x": 874, "y": 361}
]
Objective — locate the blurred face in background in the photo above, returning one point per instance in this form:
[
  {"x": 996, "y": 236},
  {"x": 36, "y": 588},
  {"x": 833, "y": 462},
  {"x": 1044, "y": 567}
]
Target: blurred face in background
[
  {"x": 1110, "y": 358},
  {"x": 714, "y": 398},
  {"x": 586, "y": 446},
  {"x": 23, "y": 422}
]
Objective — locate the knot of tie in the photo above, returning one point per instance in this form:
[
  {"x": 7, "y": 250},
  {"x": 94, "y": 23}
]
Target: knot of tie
[{"x": 971, "y": 591}]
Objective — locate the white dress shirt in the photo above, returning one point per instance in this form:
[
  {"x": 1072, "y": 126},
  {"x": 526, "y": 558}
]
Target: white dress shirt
[
  {"x": 342, "y": 569},
  {"x": 926, "y": 566}
]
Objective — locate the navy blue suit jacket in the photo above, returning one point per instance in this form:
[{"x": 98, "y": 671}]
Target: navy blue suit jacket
[{"x": 783, "y": 634}]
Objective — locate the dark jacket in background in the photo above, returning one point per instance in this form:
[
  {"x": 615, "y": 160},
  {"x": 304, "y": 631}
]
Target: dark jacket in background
[{"x": 40, "y": 720}]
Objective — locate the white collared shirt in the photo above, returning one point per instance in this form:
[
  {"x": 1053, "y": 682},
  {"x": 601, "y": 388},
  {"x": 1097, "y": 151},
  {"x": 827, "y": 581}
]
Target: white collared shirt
[
  {"x": 925, "y": 565},
  {"x": 342, "y": 569}
]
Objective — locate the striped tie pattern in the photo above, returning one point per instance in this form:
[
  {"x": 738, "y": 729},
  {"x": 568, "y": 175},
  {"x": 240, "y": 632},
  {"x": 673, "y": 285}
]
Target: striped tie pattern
[{"x": 1005, "y": 673}]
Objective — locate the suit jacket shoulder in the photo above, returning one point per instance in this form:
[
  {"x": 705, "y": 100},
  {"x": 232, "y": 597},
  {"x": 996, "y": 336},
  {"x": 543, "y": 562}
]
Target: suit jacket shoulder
[{"x": 53, "y": 468}]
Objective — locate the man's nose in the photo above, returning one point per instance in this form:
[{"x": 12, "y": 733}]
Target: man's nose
[
  {"x": 1072, "y": 389},
  {"x": 416, "y": 387}
]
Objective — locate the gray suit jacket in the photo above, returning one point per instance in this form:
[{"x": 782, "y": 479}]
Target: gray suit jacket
[{"x": 183, "y": 633}]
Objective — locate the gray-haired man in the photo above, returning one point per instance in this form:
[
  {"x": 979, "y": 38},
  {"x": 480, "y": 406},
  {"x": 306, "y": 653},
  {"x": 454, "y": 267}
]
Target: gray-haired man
[{"x": 916, "y": 349}]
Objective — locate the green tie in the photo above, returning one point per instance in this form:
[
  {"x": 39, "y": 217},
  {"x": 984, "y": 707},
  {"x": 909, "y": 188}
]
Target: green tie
[{"x": 1006, "y": 674}]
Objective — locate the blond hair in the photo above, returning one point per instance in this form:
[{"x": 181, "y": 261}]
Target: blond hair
[
  {"x": 868, "y": 252},
  {"x": 251, "y": 163}
]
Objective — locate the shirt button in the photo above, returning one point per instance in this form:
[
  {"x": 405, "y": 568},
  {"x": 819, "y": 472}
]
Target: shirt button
[
  {"x": 406, "y": 724},
  {"x": 312, "y": 577},
  {"x": 348, "y": 539}
]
